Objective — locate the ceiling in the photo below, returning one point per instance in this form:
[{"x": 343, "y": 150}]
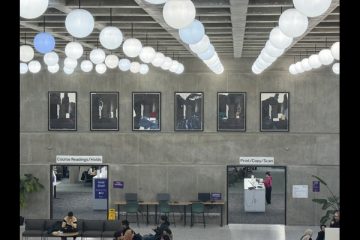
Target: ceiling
[{"x": 237, "y": 28}]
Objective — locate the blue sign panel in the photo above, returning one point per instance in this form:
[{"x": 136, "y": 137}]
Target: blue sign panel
[
  {"x": 316, "y": 186},
  {"x": 215, "y": 196},
  {"x": 101, "y": 186},
  {"x": 118, "y": 184}
]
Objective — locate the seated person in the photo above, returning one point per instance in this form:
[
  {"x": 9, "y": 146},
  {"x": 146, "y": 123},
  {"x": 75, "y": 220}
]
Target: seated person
[
  {"x": 335, "y": 222},
  {"x": 69, "y": 224},
  {"x": 167, "y": 234},
  {"x": 92, "y": 171},
  {"x": 321, "y": 234},
  {"x": 307, "y": 235},
  {"x": 126, "y": 233}
]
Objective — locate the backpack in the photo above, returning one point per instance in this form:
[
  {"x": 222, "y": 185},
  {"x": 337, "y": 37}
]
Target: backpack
[
  {"x": 137, "y": 236},
  {"x": 55, "y": 227}
]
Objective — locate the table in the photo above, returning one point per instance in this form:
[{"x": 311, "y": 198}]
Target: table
[
  {"x": 212, "y": 203},
  {"x": 62, "y": 234},
  {"x": 184, "y": 203}
]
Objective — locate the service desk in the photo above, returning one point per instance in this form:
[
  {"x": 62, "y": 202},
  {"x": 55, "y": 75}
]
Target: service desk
[{"x": 254, "y": 196}]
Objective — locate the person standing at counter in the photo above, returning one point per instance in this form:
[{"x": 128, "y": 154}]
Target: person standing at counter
[{"x": 268, "y": 187}]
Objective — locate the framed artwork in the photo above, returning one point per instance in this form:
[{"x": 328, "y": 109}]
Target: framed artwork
[
  {"x": 231, "y": 111},
  {"x": 104, "y": 111},
  {"x": 189, "y": 108},
  {"x": 146, "y": 111},
  {"x": 62, "y": 111},
  {"x": 274, "y": 110}
]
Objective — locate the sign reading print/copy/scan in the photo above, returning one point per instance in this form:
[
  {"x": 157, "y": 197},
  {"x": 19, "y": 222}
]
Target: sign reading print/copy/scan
[
  {"x": 100, "y": 188},
  {"x": 300, "y": 191},
  {"x": 316, "y": 186},
  {"x": 78, "y": 159},
  {"x": 118, "y": 184},
  {"x": 256, "y": 160}
]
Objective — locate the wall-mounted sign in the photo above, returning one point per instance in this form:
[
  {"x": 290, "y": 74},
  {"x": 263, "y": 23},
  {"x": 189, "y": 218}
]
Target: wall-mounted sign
[
  {"x": 100, "y": 188},
  {"x": 118, "y": 184},
  {"x": 316, "y": 186},
  {"x": 300, "y": 191},
  {"x": 78, "y": 159},
  {"x": 256, "y": 160}
]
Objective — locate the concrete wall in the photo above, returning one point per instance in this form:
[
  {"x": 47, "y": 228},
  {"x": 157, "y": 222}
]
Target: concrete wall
[{"x": 184, "y": 163}]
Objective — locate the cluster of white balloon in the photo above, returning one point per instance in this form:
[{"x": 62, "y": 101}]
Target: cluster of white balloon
[
  {"x": 80, "y": 24},
  {"x": 325, "y": 57},
  {"x": 180, "y": 14},
  {"x": 292, "y": 23}
]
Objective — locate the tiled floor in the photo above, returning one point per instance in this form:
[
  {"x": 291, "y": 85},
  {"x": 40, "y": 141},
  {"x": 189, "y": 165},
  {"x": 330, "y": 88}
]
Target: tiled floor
[{"x": 228, "y": 232}]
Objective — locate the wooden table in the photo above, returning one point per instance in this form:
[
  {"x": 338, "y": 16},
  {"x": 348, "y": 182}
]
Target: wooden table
[
  {"x": 212, "y": 203},
  {"x": 64, "y": 234},
  {"x": 183, "y": 203}
]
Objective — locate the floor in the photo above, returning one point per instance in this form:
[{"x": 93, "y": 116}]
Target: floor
[{"x": 228, "y": 232}]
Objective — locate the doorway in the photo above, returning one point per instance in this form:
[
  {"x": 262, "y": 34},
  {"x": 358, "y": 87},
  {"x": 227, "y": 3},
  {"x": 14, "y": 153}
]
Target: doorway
[
  {"x": 82, "y": 189},
  {"x": 247, "y": 205}
]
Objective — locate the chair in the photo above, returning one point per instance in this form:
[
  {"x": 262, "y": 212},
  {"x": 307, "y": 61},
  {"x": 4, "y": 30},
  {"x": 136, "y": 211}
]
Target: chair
[
  {"x": 34, "y": 228},
  {"x": 197, "y": 208},
  {"x": 132, "y": 206},
  {"x": 110, "y": 227},
  {"x": 164, "y": 208},
  {"x": 92, "y": 228}
]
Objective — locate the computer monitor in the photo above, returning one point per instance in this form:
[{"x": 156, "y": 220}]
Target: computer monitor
[
  {"x": 163, "y": 197},
  {"x": 215, "y": 196},
  {"x": 131, "y": 197},
  {"x": 204, "y": 197}
]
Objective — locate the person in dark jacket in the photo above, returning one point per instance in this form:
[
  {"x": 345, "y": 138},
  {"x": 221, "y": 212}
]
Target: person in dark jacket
[
  {"x": 335, "y": 222},
  {"x": 321, "y": 234},
  {"x": 268, "y": 187},
  {"x": 69, "y": 224},
  {"x": 159, "y": 229}
]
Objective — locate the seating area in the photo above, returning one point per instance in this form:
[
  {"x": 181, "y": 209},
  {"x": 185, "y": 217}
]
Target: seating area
[{"x": 86, "y": 228}]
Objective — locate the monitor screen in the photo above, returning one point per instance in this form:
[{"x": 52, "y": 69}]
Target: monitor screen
[
  {"x": 204, "y": 197},
  {"x": 215, "y": 196},
  {"x": 163, "y": 197}
]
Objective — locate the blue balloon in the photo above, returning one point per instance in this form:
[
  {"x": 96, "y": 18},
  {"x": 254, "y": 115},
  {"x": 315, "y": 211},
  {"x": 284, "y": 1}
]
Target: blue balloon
[
  {"x": 208, "y": 53},
  {"x": 193, "y": 33},
  {"x": 44, "y": 42}
]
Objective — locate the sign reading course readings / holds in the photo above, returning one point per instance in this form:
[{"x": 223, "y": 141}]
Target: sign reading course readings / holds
[
  {"x": 78, "y": 159},
  {"x": 256, "y": 160}
]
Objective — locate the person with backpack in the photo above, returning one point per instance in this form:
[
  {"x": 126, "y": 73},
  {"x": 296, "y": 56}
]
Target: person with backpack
[{"x": 159, "y": 229}]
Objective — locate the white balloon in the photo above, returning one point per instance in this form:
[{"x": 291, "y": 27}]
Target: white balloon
[
  {"x": 278, "y": 39},
  {"x": 179, "y": 13},
  {"x": 167, "y": 63},
  {"x": 299, "y": 67},
  {"x": 147, "y": 54},
  {"x": 326, "y": 57},
  {"x": 54, "y": 68},
  {"x": 135, "y": 67},
  {"x": 26, "y": 53},
  {"x": 255, "y": 69},
  {"x": 111, "y": 37},
  {"x": 292, "y": 69},
  {"x": 132, "y": 47},
  {"x": 33, "y": 8},
  {"x": 70, "y": 62},
  {"x": 51, "y": 58},
  {"x": 314, "y": 61},
  {"x": 79, "y": 23},
  {"x": 23, "y": 68},
  {"x": 335, "y": 50},
  {"x": 312, "y": 8},
  {"x": 180, "y": 69},
  {"x": 34, "y": 66},
  {"x": 144, "y": 69},
  {"x": 68, "y": 71},
  {"x": 158, "y": 60},
  {"x": 305, "y": 64},
  {"x": 273, "y": 51},
  {"x": 97, "y": 56},
  {"x": 174, "y": 66},
  {"x": 74, "y": 50},
  {"x": 86, "y": 66},
  {"x": 336, "y": 68},
  {"x": 111, "y": 61},
  {"x": 200, "y": 46},
  {"x": 293, "y": 23},
  {"x": 100, "y": 68},
  {"x": 124, "y": 64}
]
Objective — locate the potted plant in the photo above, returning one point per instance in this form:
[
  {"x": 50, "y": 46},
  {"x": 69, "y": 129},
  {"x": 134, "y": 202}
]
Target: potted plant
[
  {"x": 28, "y": 184},
  {"x": 331, "y": 203}
]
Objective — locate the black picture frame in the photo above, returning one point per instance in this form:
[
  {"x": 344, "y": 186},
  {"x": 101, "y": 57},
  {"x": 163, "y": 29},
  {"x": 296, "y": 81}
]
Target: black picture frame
[
  {"x": 274, "y": 111},
  {"x": 104, "y": 111},
  {"x": 146, "y": 111},
  {"x": 231, "y": 111},
  {"x": 187, "y": 115},
  {"x": 62, "y": 111}
]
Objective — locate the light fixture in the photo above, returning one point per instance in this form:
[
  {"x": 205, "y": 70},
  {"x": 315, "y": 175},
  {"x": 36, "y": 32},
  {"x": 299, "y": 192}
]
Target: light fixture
[
  {"x": 179, "y": 13},
  {"x": 312, "y": 8},
  {"x": 336, "y": 68},
  {"x": 273, "y": 51},
  {"x": 44, "y": 42},
  {"x": 325, "y": 57},
  {"x": 156, "y": 1},
  {"x": 100, "y": 68},
  {"x": 314, "y": 61},
  {"x": 26, "y": 53},
  {"x": 34, "y": 66},
  {"x": 97, "y": 55},
  {"x": 33, "y": 8},
  {"x": 111, "y": 61},
  {"x": 180, "y": 69},
  {"x": 193, "y": 33},
  {"x": 111, "y": 37},
  {"x": 68, "y": 71},
  {"x": 124, "y": 64},
  {"x": 79, "y": 23},
  {"x": 166, "y": 64},
  {"x": 86, "y": 66},
  {"x": 299, "y": 67},
  {"x": 144, "y": 69},
  {"x": 147, "y": 54},
  {"x": 293, "y": 23},
  {"x": 305, "y": 64},
  {"x": 292, "y": 69},
  {"x": 278, "y": 39},
  {"x": 70, "y": 62},
  {"x": 135, "y": 67},
  {"x": 219, "y": 70},
  {"x": 335, "y": 50},
  {"x": 262, "y": 62},
  {"x": 158, "y": 60},
  {"x": 200, "y": 46},
  {"x": 255, "y": 69},
  {"x": 208, "y": 53},
  {"x": 266, "y": 57},
  {"x": 74, "y": 50},
  {"x": 132, "y": 47},
  {"x": 51, "y": 58},
  {"x": 23, "y": 68},
  {"x": 54, "y": 68},
  {"x": 212, "y": 60}
]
